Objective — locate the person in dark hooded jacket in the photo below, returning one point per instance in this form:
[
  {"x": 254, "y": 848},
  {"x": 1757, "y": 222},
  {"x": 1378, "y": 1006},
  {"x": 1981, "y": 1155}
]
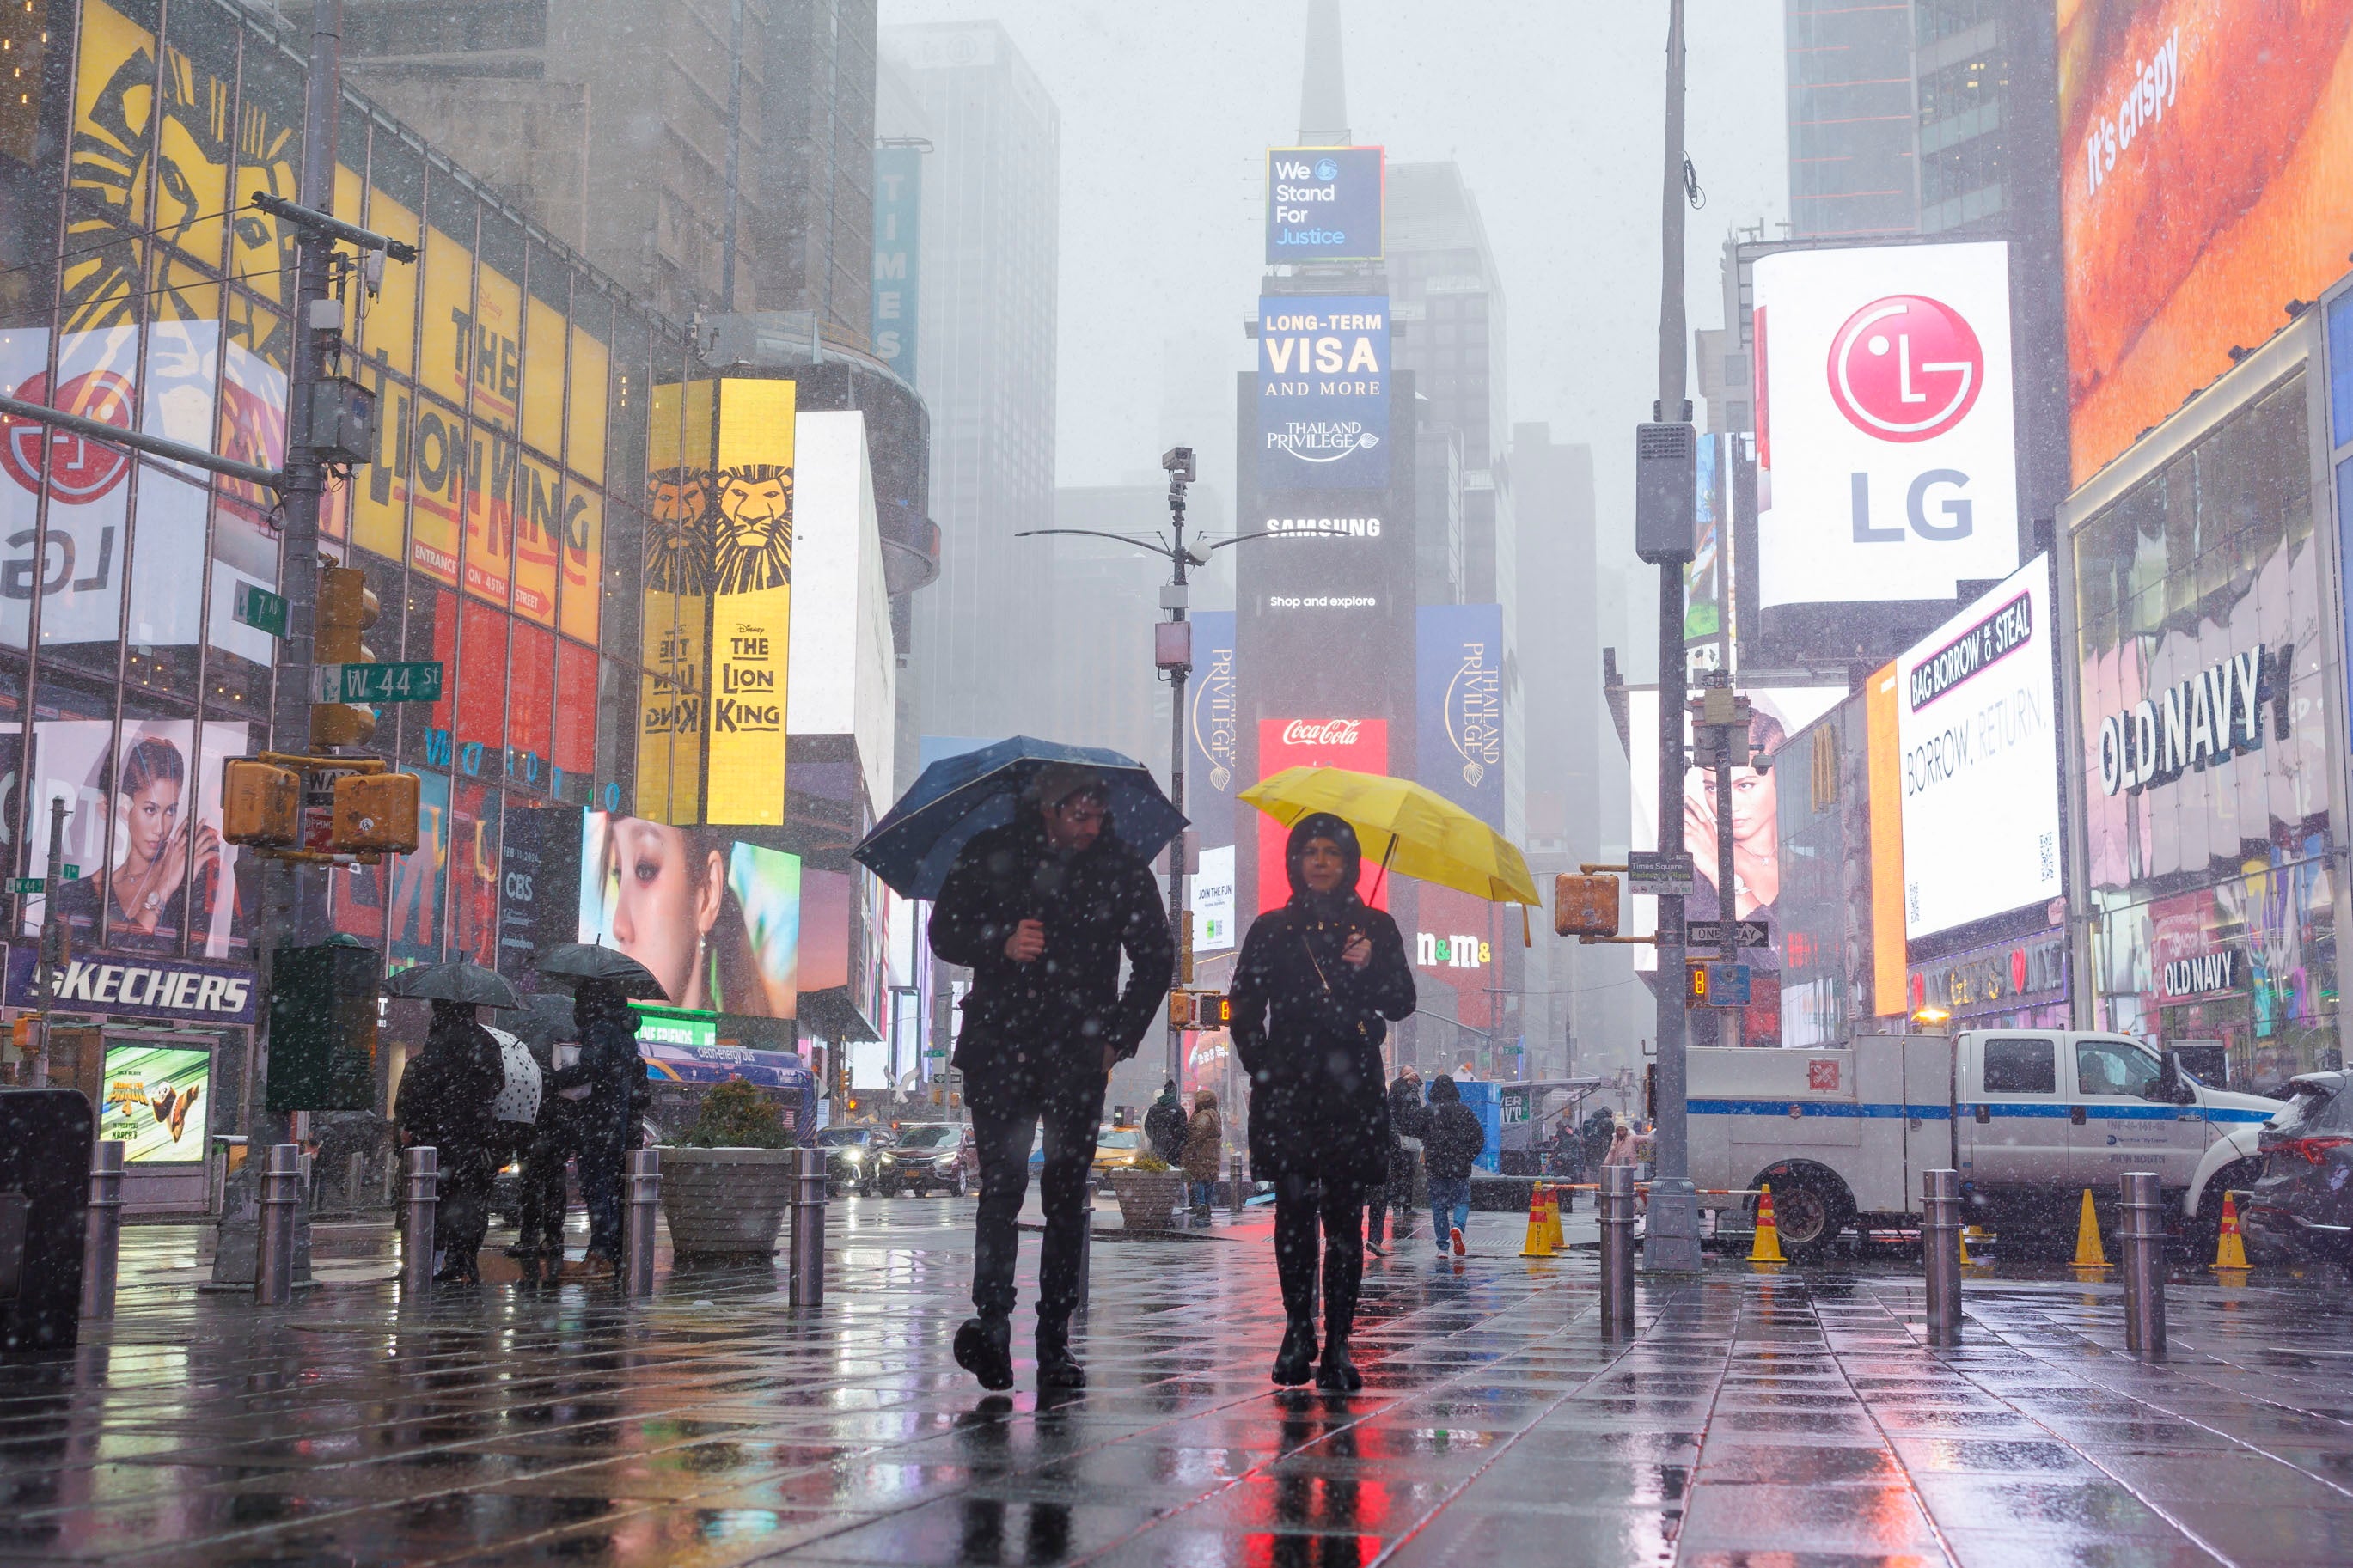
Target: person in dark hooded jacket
[
  {"x": 446, "y": 1092},
  {"x": 1451, "y": 1145},
  {"x": 1312, "y": 988},
  {"x": 606, "y": 1124},
  {"x": 1040, "y": 911}
]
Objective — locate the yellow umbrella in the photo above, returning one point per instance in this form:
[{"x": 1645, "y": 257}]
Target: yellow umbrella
[{"x": 1417, "y": 831}]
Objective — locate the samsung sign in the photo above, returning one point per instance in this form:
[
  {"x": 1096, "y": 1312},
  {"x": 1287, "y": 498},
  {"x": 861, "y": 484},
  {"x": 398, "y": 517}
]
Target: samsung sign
[
  {"x": 1322, "y": 203},
  {"x": 2209, "y": 717},
  {"x": 1324, "y": 391},
  {"x": 1885, "y": 439}
]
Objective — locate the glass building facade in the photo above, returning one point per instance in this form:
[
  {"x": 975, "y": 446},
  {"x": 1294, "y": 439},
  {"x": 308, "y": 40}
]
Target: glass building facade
[{"x": 499, "y": 525}]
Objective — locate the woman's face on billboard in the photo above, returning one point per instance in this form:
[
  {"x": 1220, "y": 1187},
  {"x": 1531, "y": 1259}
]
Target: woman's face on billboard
[
  {"x": 665, "y": 903},
  {"x": 154, "y": 811},
  {"x": 1755, "y": 808}
]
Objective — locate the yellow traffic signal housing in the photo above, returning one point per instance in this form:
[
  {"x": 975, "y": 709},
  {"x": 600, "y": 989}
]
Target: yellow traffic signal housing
[
  {"x": 347, "y": 608},
  {"x": 261, "y": 804},
  {"x": 1180, "y": 1009},
  {"x": 1584, "y": 906},
  {"x": 374, "y": 813}
]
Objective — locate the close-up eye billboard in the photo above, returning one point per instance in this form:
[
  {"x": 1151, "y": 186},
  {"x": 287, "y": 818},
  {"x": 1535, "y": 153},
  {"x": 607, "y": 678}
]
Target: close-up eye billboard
[
  {"x": 2205, "y": 151},
  {"x": 1885, "y": 439}
]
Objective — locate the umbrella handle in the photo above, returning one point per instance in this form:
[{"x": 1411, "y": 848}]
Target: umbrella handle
[{"x": 1378, "y": 877}]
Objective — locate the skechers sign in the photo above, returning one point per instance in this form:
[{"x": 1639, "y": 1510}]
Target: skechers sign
[
  {"x": 1322, "y": 203},
  {"x": 2209, "y": 717},
  {"x": 1322, "y": 392},
  {"x": 130, "y": 986}
]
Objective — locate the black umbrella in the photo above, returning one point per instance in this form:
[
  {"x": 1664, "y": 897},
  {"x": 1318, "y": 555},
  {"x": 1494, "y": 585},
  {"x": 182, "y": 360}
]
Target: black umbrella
[
  {"x": 578, "y": 961},
  {"x": 546, "y": 1020},
  {"x": 459, "y": 982}
]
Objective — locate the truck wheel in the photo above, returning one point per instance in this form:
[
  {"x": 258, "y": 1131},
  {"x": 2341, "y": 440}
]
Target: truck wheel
[{"x": 1810, "y": 1207}]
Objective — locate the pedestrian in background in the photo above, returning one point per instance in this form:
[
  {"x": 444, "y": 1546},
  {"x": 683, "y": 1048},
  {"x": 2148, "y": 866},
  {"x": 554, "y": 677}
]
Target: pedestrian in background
[
  {"x": 1405, "y": 1116},
  {"x": 1163, "y": 1126},
  {"x": 447, "y": 1093},
  {"x": 610, "y": 1119},
  {"x": 1204, "y": 1148},
  {"x": 1040, "y": 911},
  {"x": 1451, "y": 1145},
  {"x": 1315, "y": 984},
  {"x": 544, "y": 1199}
]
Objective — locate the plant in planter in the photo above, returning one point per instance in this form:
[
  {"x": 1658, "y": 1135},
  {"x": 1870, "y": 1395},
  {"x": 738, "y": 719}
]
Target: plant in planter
[
  {"x": 1148, "y": 1190},
  {"x": 727, "y": 1183}
]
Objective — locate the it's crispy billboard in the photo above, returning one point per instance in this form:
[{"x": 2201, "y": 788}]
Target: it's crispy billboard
[{"x": 2206, "y": 152}]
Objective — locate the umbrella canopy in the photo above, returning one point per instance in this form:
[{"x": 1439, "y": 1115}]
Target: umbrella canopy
[
  {"x": 578, "y": 961},
  {"x": 518, "y": 1097},
  {"x": 456, "y": 982},
  {"x": 546, "y": 1020},
  {"x": 956, "y": 798},
  {"x": 1414, "y": 831}
]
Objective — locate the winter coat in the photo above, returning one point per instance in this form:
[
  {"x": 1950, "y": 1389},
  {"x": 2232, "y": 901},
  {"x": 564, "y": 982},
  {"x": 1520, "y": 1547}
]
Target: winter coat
[
  {"x": 446, "y": 1089},
  {"x": 1204, "y": 1145},
  {"x": 1308, "y": 1025},
  {"x": 613, "y": 1072},
  {"x": 1407, "y": 1112},
  {"x": 1454, "y": 1142},
  {"x": 1164, "y": 1128},
  {"x": 1040, "y": 1026}
]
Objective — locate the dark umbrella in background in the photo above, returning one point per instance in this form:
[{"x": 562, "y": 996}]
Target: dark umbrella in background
[
  {"x": 575, "y": 961},
  {"x": 546, "y": 1020},
  {"x": 467, "y": 984},
  {"x": 956, "y": 798}
]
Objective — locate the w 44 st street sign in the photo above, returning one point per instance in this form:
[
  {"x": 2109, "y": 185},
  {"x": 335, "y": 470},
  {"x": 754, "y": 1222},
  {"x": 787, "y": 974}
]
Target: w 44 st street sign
[{"x": 418, "y": 681}]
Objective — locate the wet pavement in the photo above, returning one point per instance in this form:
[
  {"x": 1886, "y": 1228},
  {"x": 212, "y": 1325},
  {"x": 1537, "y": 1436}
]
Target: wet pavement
[{"x": 1756, "y": 1419}]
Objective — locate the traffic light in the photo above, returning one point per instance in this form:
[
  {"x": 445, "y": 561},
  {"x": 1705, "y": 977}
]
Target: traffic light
[
  {"x": 1200, "y": 1009},
  {"x": 1584, "y": 906},
  {"x": 347, "y": 608},
  {"x": 261, "y": 804},
  {"x": 374, "y": 814},
  {"x": 1180, "y": 1009}
]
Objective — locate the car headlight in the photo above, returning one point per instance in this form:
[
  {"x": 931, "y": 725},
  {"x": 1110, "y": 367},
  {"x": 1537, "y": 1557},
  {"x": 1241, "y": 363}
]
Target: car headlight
[
  {"x": 944, "y": 1163},
  {"x": 852, "y": 1156}
]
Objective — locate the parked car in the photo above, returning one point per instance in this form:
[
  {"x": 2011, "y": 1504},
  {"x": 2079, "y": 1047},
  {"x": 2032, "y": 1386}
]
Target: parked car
[
  {"x": 853, "y": 1159},
  {"x": 2303, "y": 1202},
  {"x": 1117, "y": 1148},
  {"x": 932, "y": 1154}
]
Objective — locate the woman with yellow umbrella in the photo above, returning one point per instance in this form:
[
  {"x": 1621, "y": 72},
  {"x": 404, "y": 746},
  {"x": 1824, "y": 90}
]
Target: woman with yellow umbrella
[{"x": 1314, "y": 989}]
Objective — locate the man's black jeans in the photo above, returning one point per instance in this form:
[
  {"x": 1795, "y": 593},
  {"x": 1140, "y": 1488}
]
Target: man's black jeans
[{"x": 1005, "y": 1125}]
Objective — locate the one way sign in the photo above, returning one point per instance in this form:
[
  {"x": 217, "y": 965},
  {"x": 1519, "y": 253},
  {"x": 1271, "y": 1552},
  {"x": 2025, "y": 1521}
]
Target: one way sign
[{"x": 1710, "y": 933}]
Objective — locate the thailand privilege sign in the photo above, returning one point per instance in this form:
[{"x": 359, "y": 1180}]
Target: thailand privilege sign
[{"x": 1323, "y": 392}]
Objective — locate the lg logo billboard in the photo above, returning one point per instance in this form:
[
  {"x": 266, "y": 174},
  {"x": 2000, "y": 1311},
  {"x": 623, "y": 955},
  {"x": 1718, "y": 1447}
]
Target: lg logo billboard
[{"x": 1885, "y": 433}]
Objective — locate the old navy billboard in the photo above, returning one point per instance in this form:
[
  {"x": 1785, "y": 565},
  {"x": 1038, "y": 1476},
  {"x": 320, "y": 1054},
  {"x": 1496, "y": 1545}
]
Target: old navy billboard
[
  {"x": 1459, "y": 706},
  {"x": 1322, "y": 203},
  {"x": 1322, "y": 392}
]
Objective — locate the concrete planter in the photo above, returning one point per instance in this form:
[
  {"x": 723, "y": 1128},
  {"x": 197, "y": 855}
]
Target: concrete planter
[
  {"x": 725, "y": 1203},
  {"x": 1147, "y": 1199}
]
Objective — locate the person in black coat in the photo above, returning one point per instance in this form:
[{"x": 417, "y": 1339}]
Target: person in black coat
[
  {"x": 605, "y": 1125},
  {"x": 445, "y": 1104},
  {"x": 1040, "y": 911},
  {"x": 1315, "y": 983},
  {"x": 1406, "y": 1112},
  {"x": 544, "y": 1200},
  {"x": 1452, "y": 1142}
]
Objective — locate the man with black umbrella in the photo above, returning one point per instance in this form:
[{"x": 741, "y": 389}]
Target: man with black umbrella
[
  {"x": 1040, "y": 911},
  {"x": 445, "y": 1102},
  {"x": 606, "y": 1124}
]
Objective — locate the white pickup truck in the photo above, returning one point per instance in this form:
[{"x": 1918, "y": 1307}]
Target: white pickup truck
[{"x": 2030, "y": 1119}]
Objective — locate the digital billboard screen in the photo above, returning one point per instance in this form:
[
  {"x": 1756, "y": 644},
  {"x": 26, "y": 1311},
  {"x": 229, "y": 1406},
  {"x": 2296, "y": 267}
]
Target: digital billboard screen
[
  {"x": 1459, "y": 706},
  {"x": 2206, "y": 148},
  {"x": 717, "y": 922},
  {"x": 1361, "y": 744},
  {"x": 1977, "y": 737},
  {"x": 1212, "y": 730},
  {"x": 1322, "y": 392},
  {"x": 1322, "y": 203},
  {"x": 1885, "y": 435}
]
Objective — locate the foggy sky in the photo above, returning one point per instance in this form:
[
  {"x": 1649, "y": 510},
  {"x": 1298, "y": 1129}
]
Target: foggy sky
[{"x": 1553, "y": 109}]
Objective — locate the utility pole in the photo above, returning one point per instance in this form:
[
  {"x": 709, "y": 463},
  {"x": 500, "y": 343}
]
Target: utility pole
[
  {"x": 1671, "y": 1241},
  {"x": 1174, "y": 653}
]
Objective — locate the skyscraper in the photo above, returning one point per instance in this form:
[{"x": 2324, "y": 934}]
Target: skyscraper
[
  {"x": 1853, "y": 158},
  {"x": 990, "y": 221}
]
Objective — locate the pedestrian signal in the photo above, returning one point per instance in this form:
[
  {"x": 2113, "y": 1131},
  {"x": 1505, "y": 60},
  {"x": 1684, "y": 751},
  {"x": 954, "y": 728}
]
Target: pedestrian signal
[
  {"x": 347, "y": 608},
  {"x": 1584, "y": 906},
  {"x": 1200, "y": 1009},
  {"x": 374, "y": 814},
  {"x": 1716, "y": 984},
  {"x": 261, "y": 804}
]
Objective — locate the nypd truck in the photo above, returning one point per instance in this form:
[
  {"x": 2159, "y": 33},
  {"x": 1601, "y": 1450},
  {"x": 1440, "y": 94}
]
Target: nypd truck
[{"x": 2029, "y": 1118}]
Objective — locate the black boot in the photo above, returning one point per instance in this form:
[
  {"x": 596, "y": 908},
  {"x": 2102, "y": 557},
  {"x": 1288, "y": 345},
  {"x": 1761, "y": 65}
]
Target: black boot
[
  {"x": 1056, "y": 1368},
  {"x": 1336, "y": 1372},
  {"x": 1291, "y": 1363},
  {"x": 983, "y": 1347}
]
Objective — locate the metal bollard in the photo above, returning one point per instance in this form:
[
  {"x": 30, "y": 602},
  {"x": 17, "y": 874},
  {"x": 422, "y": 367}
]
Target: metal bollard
[
  {"x": 1940, "y": 1246},
  {"x": 804, "y": 1275},
  {"x": 637, "y": 1239},
  {"x": 282, "y": 1194},
  {"x": 1617, "y": 1252},
  {"x": 2144, "y": 1239},
  {"x": 102, "y": 1235},
  {"x": 422, "y": 1168}
]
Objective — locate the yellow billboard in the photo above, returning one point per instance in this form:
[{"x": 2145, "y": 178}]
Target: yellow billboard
[{"x": 751, "y": 601}]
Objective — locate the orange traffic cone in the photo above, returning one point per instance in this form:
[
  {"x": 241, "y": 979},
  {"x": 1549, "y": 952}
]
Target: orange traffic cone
[
  {"x": 1766, "y": 1247},
  {"x": 2089, "y": 1254},
  {"x": 1552, "y": 1217},
  {"x": 1539, "y": 1242},
  {"x": 2230, "y": 1251}
]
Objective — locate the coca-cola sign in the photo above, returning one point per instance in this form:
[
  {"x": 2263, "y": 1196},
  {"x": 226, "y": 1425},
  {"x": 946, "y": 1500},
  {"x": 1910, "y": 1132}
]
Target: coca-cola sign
[
  {"x": 1322, "y": 732},
  {"x": 1360, "y": 745}
]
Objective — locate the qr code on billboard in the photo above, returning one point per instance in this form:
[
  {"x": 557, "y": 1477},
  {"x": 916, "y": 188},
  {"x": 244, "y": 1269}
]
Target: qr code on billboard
[{"x": 2047, "y": 848}]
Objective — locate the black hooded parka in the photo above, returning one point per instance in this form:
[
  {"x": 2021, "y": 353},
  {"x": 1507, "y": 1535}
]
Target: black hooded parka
[{"x": 1308, "y": 1025}]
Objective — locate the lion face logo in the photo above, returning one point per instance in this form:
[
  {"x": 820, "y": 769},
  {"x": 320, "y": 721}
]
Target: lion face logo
[{"x": 753, "y": 543}]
